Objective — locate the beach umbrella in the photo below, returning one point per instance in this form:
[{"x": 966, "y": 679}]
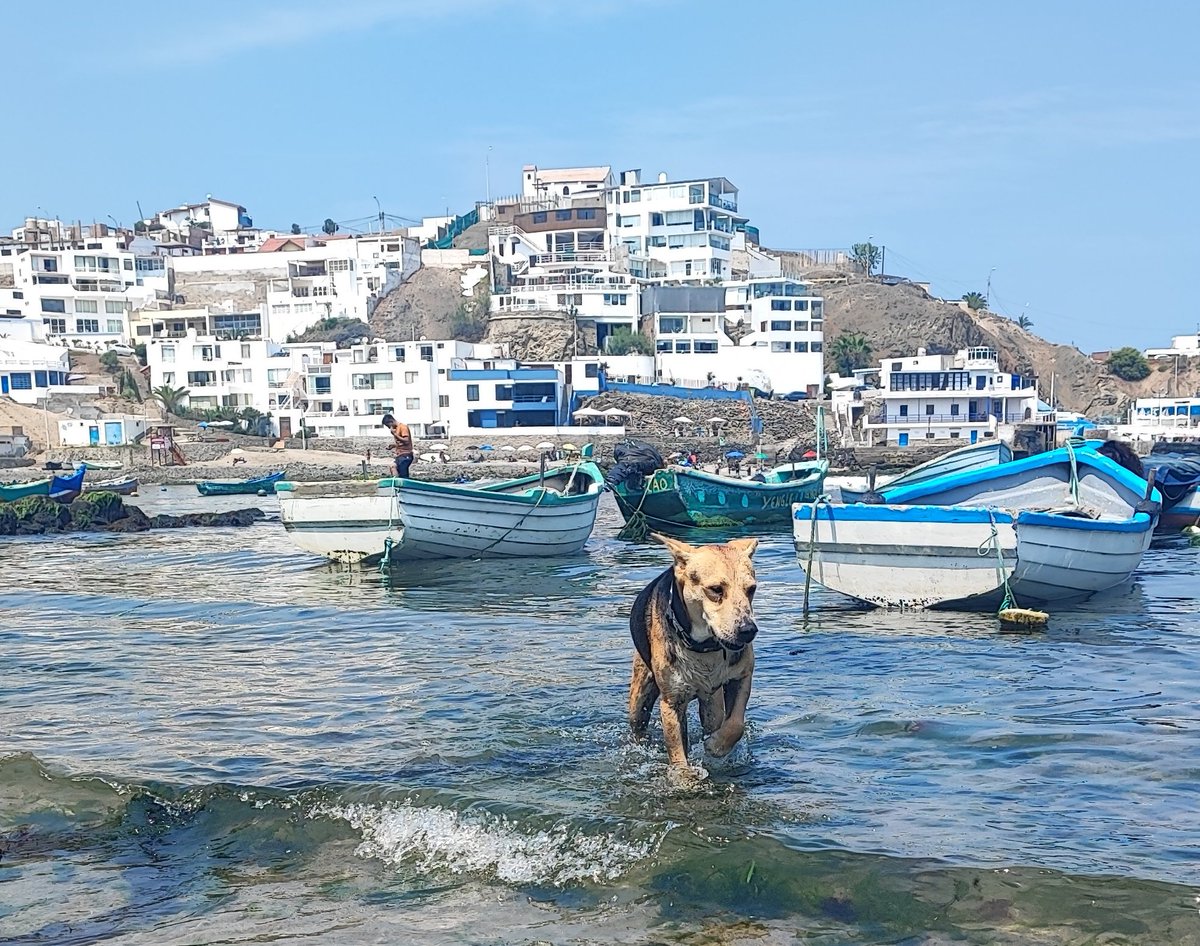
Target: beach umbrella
[
  {"x": 682, "y": 420},
  {"x": 810, "y": 454},
  {"x": 507, "y": 449},
  {"x": 487, "y": 446},
  {"x": 545, "y": 445},
  {"x": 438, "y": 446},
  {"x": 524, "y": 448},
  {"x": 616, "y": 412},
  {"x": 569, "y": 447},
  {"x": 672, "y": 456},
  {"x": 588, "y": 412},
  {"x": 430, "y": 457},
  {"x": 734, "y": 455},
  {"x": 203, "y": 425},
  {"x": 760, "y": 456},
  {"x": 717, "y": 420}
]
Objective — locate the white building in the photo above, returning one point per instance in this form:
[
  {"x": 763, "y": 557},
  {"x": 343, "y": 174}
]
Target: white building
[
  {"x": 82, "y": 289},
  {"x": 1156, "y": 418},
  {"x": 674, "y": 230},
  {"x": 543, "y": 183},
  {"x": 1185, "y": 346},
  {"x": 778, "y": 324},
  {"x": 31, "y": 371},
  {"x": 964, "y": 396},
  {"x": 107, "y": 430}
]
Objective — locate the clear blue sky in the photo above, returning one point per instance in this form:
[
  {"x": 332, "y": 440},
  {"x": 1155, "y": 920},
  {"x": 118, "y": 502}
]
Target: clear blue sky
[{"x": 1058, "y": 142}]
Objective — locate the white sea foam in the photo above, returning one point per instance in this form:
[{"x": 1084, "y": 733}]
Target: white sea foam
[{"x": 433, "y": 839}]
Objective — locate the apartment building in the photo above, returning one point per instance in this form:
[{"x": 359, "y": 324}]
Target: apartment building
[
  {"x": 674, "y": 230},
  {"x": 964, "y": 396},
  {"x": 82, "y": 287}
]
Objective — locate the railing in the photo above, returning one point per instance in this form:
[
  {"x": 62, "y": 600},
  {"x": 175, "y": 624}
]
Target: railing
[
  {"x": 916, "y": 420},
  {"x": 723, "y": 203},
  {"x": 1034, "y": 417},
  {"x": 572, "y": 256},
  {"x": 318, "y": 369},
  {"x": 533, "y": 399}
]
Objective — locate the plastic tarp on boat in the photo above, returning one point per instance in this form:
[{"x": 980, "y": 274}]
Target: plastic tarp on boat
[
  {"x": 1174, "y": 475},
  {"x": 635, "y": 460}
]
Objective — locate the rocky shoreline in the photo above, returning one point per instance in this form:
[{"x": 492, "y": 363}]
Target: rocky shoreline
[{"x": 105, "y": 512}]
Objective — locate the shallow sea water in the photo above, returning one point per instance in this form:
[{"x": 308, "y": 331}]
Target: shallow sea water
[{"x": 207, "y": 736}]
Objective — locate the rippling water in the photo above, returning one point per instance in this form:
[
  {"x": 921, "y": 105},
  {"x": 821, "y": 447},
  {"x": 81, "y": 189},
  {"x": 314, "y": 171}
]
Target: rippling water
[{"x": 208, "y": 737}]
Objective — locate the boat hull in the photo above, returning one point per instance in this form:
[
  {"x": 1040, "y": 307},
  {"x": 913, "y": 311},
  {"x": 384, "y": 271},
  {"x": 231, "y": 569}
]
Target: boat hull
[
  {"x": 973, "y": 457},
  {"x": 123, "y": 488},
  {"x": 15, "y": 491},
  {"x": 1185, "y": 512},
  {"x": 678, "y": 498},
  {"x": 252, "y": 487},
  {"x": 905, "y": 556},
  {"x": 354, "y": 522}
]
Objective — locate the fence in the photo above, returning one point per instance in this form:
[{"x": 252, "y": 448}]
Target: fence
[{"x": 456, "y": 227}]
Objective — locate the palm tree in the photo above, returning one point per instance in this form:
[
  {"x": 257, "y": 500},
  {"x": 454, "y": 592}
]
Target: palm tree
[
  {"x": 850, "y": 351},
  {"x": 975, "y": 301},
  {"x": 170, "y": 398},
  {"x": 1025, "y": 322}
]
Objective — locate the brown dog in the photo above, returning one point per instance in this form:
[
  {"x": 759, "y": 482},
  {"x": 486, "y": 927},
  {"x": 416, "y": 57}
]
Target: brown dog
[{"x": 692, "y": 628}]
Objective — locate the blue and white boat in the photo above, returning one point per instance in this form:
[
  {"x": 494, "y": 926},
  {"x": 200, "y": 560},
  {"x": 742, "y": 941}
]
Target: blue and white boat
[
  {"x": 1056, "y": 526},
  {"x": 975, "y": 456}
]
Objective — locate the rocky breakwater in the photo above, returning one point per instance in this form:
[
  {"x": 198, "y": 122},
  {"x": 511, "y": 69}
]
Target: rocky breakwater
[{"x": 104, "y": 512}]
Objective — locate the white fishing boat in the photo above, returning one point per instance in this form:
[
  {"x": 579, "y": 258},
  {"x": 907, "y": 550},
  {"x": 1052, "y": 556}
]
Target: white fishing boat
[
  {"x": 975, "y": 456},
  {"x": 1058, "y": 526},
  {"x": 543, "y": 515}
]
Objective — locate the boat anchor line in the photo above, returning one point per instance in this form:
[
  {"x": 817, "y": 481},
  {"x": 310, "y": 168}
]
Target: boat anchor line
[
  {"x": 1009, "y": 611},
  {"x": 812, "y": 547}
]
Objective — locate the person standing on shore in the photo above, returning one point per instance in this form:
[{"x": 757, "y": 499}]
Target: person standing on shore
[{"x": 402, "y": 444}]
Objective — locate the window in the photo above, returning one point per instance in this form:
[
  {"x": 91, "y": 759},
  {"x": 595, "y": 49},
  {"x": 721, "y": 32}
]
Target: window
[
  {"x": 815, "y": 346},
  {"x": 781, "y": 305},
  {"x": 954, "y": 409},
  {"x": 54, "y": 305},
  {"x": 896, "y": 365},
  {"x": 780, "y": 326},
  {"x": 696, "y": 194},
  {"x": 656, "y": 220},
  {"x": 818, "y": 308},
  {"x": 586, "y": 214},
  {"x": 629, "y": 220},
  {"x": 127, "y": 264},
  {"x": 168, "y": 352},
  {"x": 21, "y": 381},
  {"x": 302, "y": 307},
  {"x": 668, "y": 324},
  {"x": 472, "y": 392},
  {"x": 18, "y": 294},
  {"x": 928, "y": 410},
  {"x": 705, "y": 348},
  {"x": 504, "y": 392},
  {"x": 152, "y": 264},
  {"x": 168, "y": 377},
  {"x": 615, "y": 298},
  {"x": 86, "y": 306},
  {"x": 591, "y": 370},
  {"x": 570, "y": 298},
  {"x": 443, "y": 400},
  {"x": 663, "y": 345},
  {"x": 245, "y": 351},
  {"x": 87, "y": 325},
  {"x": 427, "y": 353},
  {"x": 781, "y": 346},
  {"x": 562, "y": 215},
  {"x": 656, "y": 241},
  {"x": 539, "y": 217},
  {"x": 412, "y": 403},
  {"x": 115, "y": 326},
  {"x": 280, "y": 309},
  {"x": 903, "y": 410},
  {"x": 800, "y": 327},
  {"x": 683, "y": 348},
  {"x": 410, "y": 377},
  {"x": 55, "y": 326},
  {"x": 679, "y": 218},
  {"x": 114, "y": 307},
  {"x": 631, "y": 197},
  {"x": 340, "y": 265}
]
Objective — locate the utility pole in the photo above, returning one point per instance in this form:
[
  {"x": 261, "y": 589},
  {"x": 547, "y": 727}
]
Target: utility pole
[
  {"x": 487, "y": 174},
  {"x": 987, "y": 299},
  {"x": 380, "y": 209}
]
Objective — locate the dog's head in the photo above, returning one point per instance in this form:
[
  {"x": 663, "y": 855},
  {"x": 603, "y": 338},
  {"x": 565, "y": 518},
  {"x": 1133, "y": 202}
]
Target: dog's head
[{"x": 717, "y": 586}]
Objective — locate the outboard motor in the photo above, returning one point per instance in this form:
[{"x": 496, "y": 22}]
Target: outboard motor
[{"x": 636, "y": 459}]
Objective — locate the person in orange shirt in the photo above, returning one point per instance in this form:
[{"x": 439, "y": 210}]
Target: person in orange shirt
[{"x": 402, "y": 444}]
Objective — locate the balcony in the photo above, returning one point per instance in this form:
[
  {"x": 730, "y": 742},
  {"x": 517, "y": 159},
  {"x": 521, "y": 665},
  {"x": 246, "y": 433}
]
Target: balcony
[
  {"x": 724, "y": 203},
  {"x": 587, "y": 254},
  {"x": 919, "y": 420},
  {"x": 318, "y": 369}
]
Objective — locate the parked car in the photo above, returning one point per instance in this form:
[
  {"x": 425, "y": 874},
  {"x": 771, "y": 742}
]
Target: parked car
[
  {"x": 794, "y": 396},
  {"x": 121, "y": 349}
]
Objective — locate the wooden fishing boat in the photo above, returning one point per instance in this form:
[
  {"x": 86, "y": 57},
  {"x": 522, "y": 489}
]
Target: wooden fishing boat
[
  {"x": 548, "y": 514},
  {"x": 679, "y": 496},
  {"x": 972, "y": 457},
  {"x": 98, "y": 465},
  {"x": 1056, "y": 526},
  {"x": 120, "y": 486},
  {"x": 1176, "y": 469},
  {"x": 11, "y": 492},
  {"x": 66, "y": 488},
  {"x": 260, "y": 484}
]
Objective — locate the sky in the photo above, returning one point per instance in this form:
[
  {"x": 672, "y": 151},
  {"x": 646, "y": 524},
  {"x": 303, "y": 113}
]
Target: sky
[{"x": 1051, "y": 147}]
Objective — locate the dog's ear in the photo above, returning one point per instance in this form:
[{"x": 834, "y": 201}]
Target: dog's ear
[
  {"x": 745, "y": 546},
  {"x": 680, "y": 551}
]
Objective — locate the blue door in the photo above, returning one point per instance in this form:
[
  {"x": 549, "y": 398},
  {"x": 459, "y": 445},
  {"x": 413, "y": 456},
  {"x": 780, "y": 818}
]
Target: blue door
[
  {"x": 3, "y": 384},
  {"x": 974, "y": 436},
  {"x": 112, "y": 432},
  {"x": 904, "y": 440},
  {"x": 93, "y": 436}
]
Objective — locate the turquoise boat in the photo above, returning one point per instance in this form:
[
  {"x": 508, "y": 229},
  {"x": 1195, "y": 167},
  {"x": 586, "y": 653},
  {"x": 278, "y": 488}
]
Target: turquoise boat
[
  {"x": 680, "y": 497},
  {"x": 264, "y": 484},
  {"x": 11, "y": 492}
]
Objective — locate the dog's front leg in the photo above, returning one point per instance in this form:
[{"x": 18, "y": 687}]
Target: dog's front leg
[
  {"x": 674, "y": 724},
  {"x": 712, "y": 711},
  {"x": 643, "y": 691},
  {"x": 736, "y": 696}
]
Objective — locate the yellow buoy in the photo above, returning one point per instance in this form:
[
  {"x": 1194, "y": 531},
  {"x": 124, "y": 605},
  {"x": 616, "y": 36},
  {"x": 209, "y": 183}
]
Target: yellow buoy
[
  {"x": 1024, "y": 617},
  {"x": 1191, "y": 530}
]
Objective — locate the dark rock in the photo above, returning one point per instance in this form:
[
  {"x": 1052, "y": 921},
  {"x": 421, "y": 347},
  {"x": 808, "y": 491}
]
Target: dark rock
[
  {"x": 134, "y": 521},
  {"x": 36, "y": 515},
  {"x": 97, "y": 509},
  {"x": 235, "y": 517}
]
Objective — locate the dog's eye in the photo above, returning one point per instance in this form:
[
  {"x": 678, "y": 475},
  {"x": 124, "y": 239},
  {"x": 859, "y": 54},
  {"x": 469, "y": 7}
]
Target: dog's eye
[
  {"x": 715, "y": 592},
  {"x": 750, "y": 592}
]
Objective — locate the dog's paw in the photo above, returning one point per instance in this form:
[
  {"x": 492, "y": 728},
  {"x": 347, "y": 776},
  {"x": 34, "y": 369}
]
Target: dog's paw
[
  {"x": 717, "y": 747},
  {"x": 686, "y": 776}
]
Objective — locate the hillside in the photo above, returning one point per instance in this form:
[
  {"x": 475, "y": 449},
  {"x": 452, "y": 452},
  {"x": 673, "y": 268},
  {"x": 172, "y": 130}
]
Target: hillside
[{"x": 897, "y": 320}]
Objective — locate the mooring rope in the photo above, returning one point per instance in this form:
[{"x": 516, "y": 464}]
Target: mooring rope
[
  {"x": 985, "y": 548},
  {"x": 812, "y": 548}
]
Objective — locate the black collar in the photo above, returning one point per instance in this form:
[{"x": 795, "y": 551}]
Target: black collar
[{"x": 681, "y": 626}]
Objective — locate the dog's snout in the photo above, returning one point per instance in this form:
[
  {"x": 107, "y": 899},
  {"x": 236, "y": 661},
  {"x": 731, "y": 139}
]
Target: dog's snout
[{"x": 746, "y": 630}]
